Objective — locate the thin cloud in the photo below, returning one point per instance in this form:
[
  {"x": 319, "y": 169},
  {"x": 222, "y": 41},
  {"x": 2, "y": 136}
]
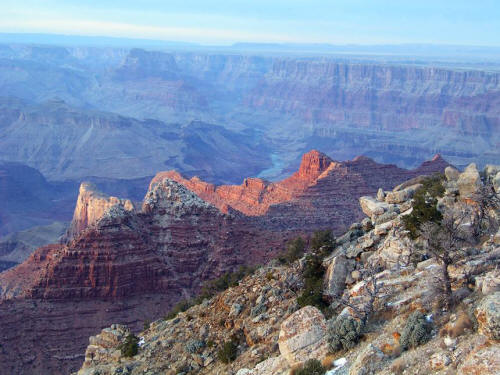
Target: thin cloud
[{"x": 117, "y": 29}]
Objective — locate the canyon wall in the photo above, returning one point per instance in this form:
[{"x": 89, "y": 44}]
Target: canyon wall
[{"x": 394, "y": 112}]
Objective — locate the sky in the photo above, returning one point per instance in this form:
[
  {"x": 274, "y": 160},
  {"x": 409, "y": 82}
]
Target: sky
[{"x": 220, "y": 22}]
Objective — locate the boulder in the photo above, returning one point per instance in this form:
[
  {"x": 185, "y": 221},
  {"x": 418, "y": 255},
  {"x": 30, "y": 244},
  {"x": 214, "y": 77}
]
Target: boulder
[
  {"x": 336, "y": 274},
  {"x": 488, "y": 316},
  {"x": 496, "y": 238},
  {"x": 380, "y": 195},
  {"x": 496, "y": 183},
  {"x": 396, "y": 197},
  {"x": 371, "y": 207},
  {"x": 368, "y": 362},
  {"x": 451, "y": 174},
  {"x": 469, "y": 181},
  {"x": 367, "y": 225},
  {"x": 303, "y": 336},
  {"x": 382, "y": 229},
  {"x": 491, "y": 170},
  {"x": 385, "y": 217},
  {"x": 489, "y": 283},
  {"x": 271, "y": 366}
]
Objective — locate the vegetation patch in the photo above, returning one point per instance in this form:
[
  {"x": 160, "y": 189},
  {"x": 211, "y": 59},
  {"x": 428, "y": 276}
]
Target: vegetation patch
[
  {"x": 211, "y": 288},
  {"x": 417, "y": 331},
  {"x": 294, "y": 250},
  {"x": 228, "y": 352},
  {"x": 425, "y": 205},
  {"x": 130, "y": 347},
  {"x": 344, "y": 333},
  {"x": 313, "y": 272},
  {"x": 310, "y": 367}
]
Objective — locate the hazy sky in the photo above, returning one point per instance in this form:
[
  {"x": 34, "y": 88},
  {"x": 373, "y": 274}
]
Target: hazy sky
[{"x": 471, "y": 22}]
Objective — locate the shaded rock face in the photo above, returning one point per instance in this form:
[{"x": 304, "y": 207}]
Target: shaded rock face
[
  {"x": 128, "y": 266},
  {"x": 91, "y": 206},
  {"x": 303, "y": 336},
  {"x": 27, "y": 199}
]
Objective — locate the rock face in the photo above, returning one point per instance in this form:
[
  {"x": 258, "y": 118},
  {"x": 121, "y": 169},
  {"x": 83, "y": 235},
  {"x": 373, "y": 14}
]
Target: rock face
[
  {"x": 322, "y": 194},
  {"x": 303, "y": 336},
  {"x": 483, "y": 360},
  {"x": 488, "y": 316},
  {"x": 107, "y": 145},
  {"x": 16, "y": 247},
  {"x": 157, "y": 255},
  {"x": 469, "y": 181},
  {"x": 393, "y": 112},
  {"x": 91, "y": 205},
  {"x": 336, "y": 274}
]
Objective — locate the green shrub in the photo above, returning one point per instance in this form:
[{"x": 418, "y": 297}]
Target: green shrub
[
  {"x": 313, "y": 272},
  {"x": 417, "y": 331},
  {"x": 425, "y": 205},
  {"x": 311, "y": 367},
  {"x": 211, "y": 288},
  {"x": 130, "y": 347},
  {"x": 344, "y": 333},
  {"x": 179, "y": 307},
  {"x": 146, "y": 325},
  {"x": 322, "y": 242},
  {"x": 228, "y": 352},
  {"x": 294, "y": 250}
]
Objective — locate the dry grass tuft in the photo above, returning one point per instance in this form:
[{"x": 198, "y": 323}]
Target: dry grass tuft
[
  {"x": 458, "y": 328},
  {"x": 398, "y": 366},
  {"x": 327, "y": 362}
]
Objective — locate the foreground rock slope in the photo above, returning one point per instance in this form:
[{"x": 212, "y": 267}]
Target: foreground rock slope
[{"x": 272, "y": 334}]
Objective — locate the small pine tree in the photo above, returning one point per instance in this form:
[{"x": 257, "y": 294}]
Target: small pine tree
[
  {"x": 294, "y": 250},
  {"x": 228, "y": 352},
  {"x": 130, "y": 347}
]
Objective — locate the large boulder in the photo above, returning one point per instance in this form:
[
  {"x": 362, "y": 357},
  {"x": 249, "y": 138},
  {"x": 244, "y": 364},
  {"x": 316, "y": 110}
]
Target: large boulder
[
  {"x": 372, "y": 207},
  {"x": 469, "y": 181},
  {"x": 336, "y": 274},
  {"x": 491, "y": 170},
  {"x": 489, "y": 282},
  {"x": 271, "y": 366},
  {"x": 368, "y": 362},
  {"x": 451, "y": 174},
  {"x": 396, "y": 197},
  {"x": 303, "y": 336},
  {"x": 488, "y": 316},
  {"x": 496, "y": 183}
]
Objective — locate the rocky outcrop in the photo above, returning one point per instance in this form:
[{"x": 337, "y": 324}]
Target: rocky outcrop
[
  {"x": 488, "y": 316},
  {"x": 303, "y": 336},
  {"x": 469, "y": 181},
  {"x": 322, "y": 194},
  {"x": 91, "y": 205}
]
